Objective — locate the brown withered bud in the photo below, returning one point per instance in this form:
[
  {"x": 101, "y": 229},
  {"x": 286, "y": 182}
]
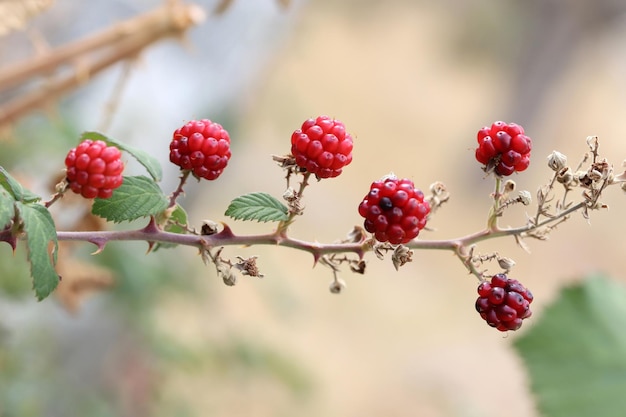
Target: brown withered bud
[
  {"x": 248, "y": 266},
  {"x": 525, "y": 197},
  {"x": 506, "y": 263},
  {"x": 509, "y": 186},
  {"x": 229, "y": 279},
  {"x": 208, "y": 228},
  {"x": 356, "y": 235},
  {"x": 290, "y": 195},
  {"x": 565, "y": 176},
  {"x": 337, "y": 285},
  {"x": 557, "y": 161},
  {"x": 358, "y": 266},
  {"x": 401, "y": 255},
  {"x": 227, "y": 275}
]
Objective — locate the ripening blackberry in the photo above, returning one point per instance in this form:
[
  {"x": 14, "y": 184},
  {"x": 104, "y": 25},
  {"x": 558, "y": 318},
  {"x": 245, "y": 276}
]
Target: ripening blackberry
[
  {"x": 94, "y": 169},
  {"x": 202, "y": 147},
  {"x": 503, "y": 302},
  {"x": 394, "y": 210},
  {"x": 322, "y": 147},
  {"x": 503, "y": 148}
]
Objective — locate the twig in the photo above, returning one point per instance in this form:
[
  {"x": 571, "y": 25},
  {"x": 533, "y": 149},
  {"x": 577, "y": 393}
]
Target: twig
[{"x": 121, "y": 41}]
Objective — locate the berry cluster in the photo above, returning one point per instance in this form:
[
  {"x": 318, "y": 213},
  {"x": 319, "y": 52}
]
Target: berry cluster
[
  {"x": 322, "y": 146},
  {"x": 503, "y": 148},
  {"x": 202, "y": 147},
  {"x": 94, "y": 169},
  {"x": 503, "y": 302},
  {"x": 394, "y": 210}
]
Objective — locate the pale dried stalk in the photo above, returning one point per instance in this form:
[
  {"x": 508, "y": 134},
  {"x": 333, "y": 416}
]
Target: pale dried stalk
[{"x": 93, "y": 54}]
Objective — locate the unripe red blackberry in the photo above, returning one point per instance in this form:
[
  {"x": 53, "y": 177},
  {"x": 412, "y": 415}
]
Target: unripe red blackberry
[
  {"x": 394, "y": 210},
  {"x": 94, "y": 169},
  {"x": 503, "y": 148},
  {"x": 322, "y": 147},
  {"x": 202, "y": 147},
  {"x": 503, "y": 302}
]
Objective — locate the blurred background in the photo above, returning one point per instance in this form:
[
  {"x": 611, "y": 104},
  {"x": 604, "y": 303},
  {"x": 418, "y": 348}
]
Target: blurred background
[{"x": 413, "y": 81}]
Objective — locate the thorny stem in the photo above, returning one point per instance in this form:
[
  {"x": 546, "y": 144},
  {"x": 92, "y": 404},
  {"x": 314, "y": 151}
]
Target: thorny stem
[
  {"x": 492, "y": 221},
  {"x": 460, "y": 246},
  {"x": 548, "y": 189},
  {"x": 303, "y": 184},
  {"x": 281, "y": 230},
  {"x": 179, "y": 190},
  {"x": 55, "y": 197},
  {"x": 61, "y": 188}
]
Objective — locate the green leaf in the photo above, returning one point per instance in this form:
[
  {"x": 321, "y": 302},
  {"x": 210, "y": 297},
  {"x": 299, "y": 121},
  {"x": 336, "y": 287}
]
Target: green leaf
[
  {"x": 151, "y": 164},
  {"x": 257, "y": 206},
  {"x": 40, "y": 232},
  {"x": 7, "y": 210},
  {"x": 576, "y": 352},
  {"x": 137, "y": 197},
  {"x": 14, "y": 188},
  {"x": 177, "y": 218}
]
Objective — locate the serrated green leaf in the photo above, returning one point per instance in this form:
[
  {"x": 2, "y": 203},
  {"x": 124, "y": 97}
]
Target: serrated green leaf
[
  {"x": 576, "y": 352},
  {"x": 151, "y": 164},
  {"x": 177, "y": 218},
  {"x": 137, "y": 197},
  {"x": 14, "y": 188},
  {"x": 261, "y": 207},
  {"x": 40, "y": 232},
  {"x": 7, "y": 210}
]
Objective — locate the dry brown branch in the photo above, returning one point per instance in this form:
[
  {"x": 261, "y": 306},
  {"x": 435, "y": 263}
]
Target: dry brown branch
[
  {"x": 87, "y": 57},
  {"x": 15, "y": 14}
]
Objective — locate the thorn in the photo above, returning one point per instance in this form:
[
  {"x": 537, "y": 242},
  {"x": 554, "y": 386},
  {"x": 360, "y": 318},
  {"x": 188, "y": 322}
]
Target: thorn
[
  {"x": 152, "y": 226},
  {"x": 226, "y": 232},
  {"x": 150, "y": 246},
  {"x": 100, "y": 244},
  {"x": 13, "y": 242},
  {"x": 316, "y": 258}
]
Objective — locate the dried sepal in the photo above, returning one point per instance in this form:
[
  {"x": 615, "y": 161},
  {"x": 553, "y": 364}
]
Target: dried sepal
[
  {"x": 248, "y": 266},
  {"x": 438, "y": 196},
  {"x": 519, "y": 239},
  {"x": 356, "y": 235},
  {"x": 294, "y": 201},
  {"x": 566, "y": 177},
  {"x": 380, "y": 249},
  {"x": 401, "y": 255},
  {"x": 358, "y": 267}
]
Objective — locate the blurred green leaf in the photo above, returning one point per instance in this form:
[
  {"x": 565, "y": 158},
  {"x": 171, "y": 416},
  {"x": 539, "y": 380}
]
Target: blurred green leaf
[
  {"x": 7, "y": 210},
  {"x": 40, "y": 232},
  {"x": 14, "y": 188},
  {"x": 14, "y": 273},
  {"x": 257, "y": 206},
  {"x": 151, "y": 164},
  {"x": 576, "y": 352},
  {"x": 137, "y": 197}
]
